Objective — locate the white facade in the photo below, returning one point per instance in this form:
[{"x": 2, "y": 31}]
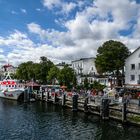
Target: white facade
[
  {"x": 85, "y": 67},
  {"x": 132, "y": 68}
]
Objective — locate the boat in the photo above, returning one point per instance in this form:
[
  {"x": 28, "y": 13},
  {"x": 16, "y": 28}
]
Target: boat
[{"x": 10, "y": 88}]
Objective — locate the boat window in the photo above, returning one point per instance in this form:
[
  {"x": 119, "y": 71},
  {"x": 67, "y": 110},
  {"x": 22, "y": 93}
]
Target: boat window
[{"x": 9, "y": 85}]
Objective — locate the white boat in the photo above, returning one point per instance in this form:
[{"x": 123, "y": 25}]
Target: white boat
[{"x": 10, "y": 89}]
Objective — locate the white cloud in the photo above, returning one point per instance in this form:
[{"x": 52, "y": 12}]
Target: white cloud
[
  {"x": 35, "y": 28},
  {"x": 51, "y": 3},
  {"x": 14, "y": 12},
  {"x": 1, "y": 50},
  {"x": 17, "y": 40},
  {"x": 23, "y": 11},
  {"x": 89, "y": 28},
  {"x": 66, "y": 7},
  {"x": 38, "y": 9}
]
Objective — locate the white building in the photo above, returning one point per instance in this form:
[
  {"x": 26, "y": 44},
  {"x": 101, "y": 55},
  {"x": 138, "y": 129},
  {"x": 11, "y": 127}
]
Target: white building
[
  {"x": 132, "y": 68},
  {"x": 85, "y": 67},
  {"x": 61, "y": 65}
]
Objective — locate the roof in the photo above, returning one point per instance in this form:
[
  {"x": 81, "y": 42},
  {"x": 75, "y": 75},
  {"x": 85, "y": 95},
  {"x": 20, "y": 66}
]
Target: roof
[
  {"x": 83, "y": 59},
  {"x": 32, "y": 84},
  {"x": 134, "y": 51},
  {"x": 7, "y": 65}
]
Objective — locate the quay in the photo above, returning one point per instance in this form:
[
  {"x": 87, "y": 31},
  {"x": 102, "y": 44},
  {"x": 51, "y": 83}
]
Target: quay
[{"x": 105, "y": 107}]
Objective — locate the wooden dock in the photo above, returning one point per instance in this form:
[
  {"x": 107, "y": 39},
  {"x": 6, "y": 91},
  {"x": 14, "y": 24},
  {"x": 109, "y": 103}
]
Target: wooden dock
[{"x": 102, "y": 107}]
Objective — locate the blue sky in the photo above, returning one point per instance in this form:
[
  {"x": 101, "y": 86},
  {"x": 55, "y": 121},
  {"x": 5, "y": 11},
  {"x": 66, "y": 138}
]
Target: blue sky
[{"x": 65, "y": 30}]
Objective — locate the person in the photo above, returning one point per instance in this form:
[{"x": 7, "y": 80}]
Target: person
[
  {"x": 128, "y": 98},
  {"x": 125, "y": 98}
]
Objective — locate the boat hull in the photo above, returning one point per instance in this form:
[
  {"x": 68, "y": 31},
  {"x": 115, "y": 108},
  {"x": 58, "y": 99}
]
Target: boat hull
[{"x": 13, "y": 95}]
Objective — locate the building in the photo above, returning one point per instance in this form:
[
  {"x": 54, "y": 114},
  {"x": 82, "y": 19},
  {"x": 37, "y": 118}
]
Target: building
[
  {"x": 61, "y": 65},
  {"x": 84, "y": 66},
  {"x": 132, "y": 69},
  {"x": 7, "y": 68}
]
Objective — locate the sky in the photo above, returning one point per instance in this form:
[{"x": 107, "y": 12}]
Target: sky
[{"x": 65, "y": 30}]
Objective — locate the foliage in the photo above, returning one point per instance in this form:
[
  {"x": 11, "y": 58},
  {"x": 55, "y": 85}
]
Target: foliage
[
  {"x": 97, "y": 85},
  {"x": 86, "y": 83},
  {"x": 67, "y": 76},
  {"x": 111, "y": 57},
  {"x": 46, "y": 73},
  {"x": 45, "y": 65},
  {"x": 37, "y": 71},
  {"x": 53, "y": 75}
]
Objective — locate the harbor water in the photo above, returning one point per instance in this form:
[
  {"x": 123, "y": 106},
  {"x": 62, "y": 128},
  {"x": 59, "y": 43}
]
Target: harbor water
[{"x": 45, "y": 121}]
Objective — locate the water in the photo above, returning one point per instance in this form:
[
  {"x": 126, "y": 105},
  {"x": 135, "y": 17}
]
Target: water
[{"x": 42, "y": 121}]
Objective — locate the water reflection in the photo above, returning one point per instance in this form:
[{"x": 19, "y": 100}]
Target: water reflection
[{"x": 42, "y": 121}]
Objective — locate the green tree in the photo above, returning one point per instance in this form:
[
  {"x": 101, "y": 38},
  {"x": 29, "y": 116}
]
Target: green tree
[
  {"x": 45, "y": 65},
  {"x": 22, "y": 71},
  {"x": 53, "y": 74},
  {"x": 111, "y": 57},
  {"x": 86, "y": 83},
  {"x": 96, "y": 85},
  {"x": 37, "y": 71},
  {"x": 67, "y": 76}
]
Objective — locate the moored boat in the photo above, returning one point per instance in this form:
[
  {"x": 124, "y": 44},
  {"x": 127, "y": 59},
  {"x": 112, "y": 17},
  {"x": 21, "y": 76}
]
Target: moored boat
[{"x": 10, "y": 89}]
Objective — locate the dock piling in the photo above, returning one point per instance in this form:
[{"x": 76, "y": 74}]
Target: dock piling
[
  {"x": 63, "y": 99},
  {"x": 105, "y": 109},
  {"x": 55, "y": 98},
  {"x": 75, "y": 102},
  {"x": 25, "y": 95},
  {"x": 85, "y": 105},
  {"x": 124, "y": 112},
  {"x": 47, "y": 96}
]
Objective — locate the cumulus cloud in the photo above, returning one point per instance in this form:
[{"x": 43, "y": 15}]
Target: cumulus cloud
[
  {"x": 84, "y": 33},
  {"x": 1, "y": 50},
  {"x": 36, "y": 29},
  {"x": 66, "y": 7},
  {"x": 18, "y": 40},
  {"x": 51, "y": 3}
]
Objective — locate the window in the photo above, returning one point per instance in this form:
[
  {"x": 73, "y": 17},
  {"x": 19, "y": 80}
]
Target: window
[
  {"x": 132, "y": 77},
  {"x": 139, "y": 77},
  {"x": 132, "y": 66},
  {"x": 139, "y": 66}
]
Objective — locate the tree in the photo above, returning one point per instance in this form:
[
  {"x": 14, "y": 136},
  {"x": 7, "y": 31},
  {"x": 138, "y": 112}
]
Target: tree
[
  {"x": 24, "y": 71},
  {"x": 96, "y": 85},
  {"x": 111, "y": 57},
  {"x": 67, "y": 77},
  {"x": 45, "y": 65},
  {"x": 36, "y": 71},
  {"x": 86, "y": 83},
  {"x": 53, "y": 74}
]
